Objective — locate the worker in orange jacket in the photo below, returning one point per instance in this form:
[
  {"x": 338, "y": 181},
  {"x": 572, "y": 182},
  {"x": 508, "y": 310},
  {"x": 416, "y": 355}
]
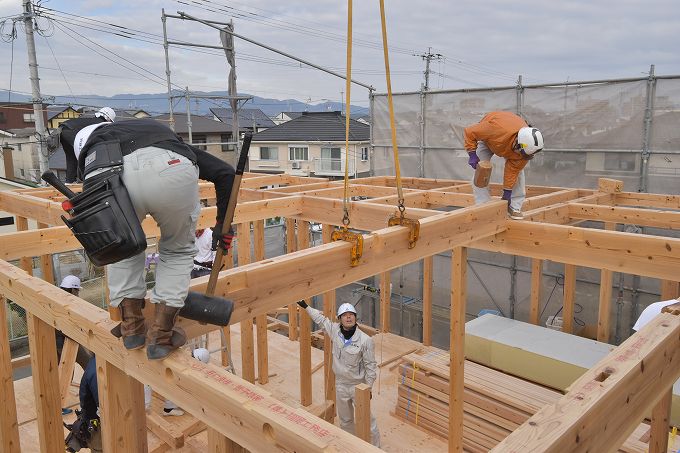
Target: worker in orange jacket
[{"x": 508, "y": 136}]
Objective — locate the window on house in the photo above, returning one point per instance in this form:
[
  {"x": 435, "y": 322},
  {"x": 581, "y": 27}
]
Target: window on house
[
  {"x": 331, "y": 158},
  {"x": 197, "y": 141},
  {"x": 29, "y": 118},
  {"x": 620, "y": 161},
  {"x": 298, "y": 153},
  {"x": 364, "y": 153},
  {"x": 224, "y": 138},
  {"x": 2, "y": 117},
  {"x": 269, "y": 153}
]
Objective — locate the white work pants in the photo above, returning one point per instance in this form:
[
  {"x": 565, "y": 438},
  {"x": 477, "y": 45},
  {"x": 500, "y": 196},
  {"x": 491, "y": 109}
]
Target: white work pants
[
  {"x": 482, "y": 193},
  {"x": 163, "y": 184},
  {"x": 344, "y": 394}
]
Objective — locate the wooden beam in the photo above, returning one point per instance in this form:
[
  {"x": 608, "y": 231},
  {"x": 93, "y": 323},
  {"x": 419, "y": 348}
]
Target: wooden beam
[
  {"x": 617, "y": 251},
  {"x": 43, "y": 349},
  {"x": 168, "y": 433},
  {"x": 539, "y": 201},
  {"x": 46, "y": 265},
  {"x": 305, "y": 330},
  {"x": 121, "y": 405},
  {"x": 225, "y": 337},
  {"x": 60, "y": 239},
  {"x": 648, "y": 200},
  {"x": 261, "y": 319},
  {"x": 457, "y": 347},
  {"x": 9, "y": 426},
  {"x": 661, "y": 415},
  {"x": 329, "y": 312},
  {"x": 385, "y": 301},
  {"x": 66, "y": 365},
  {"x": 362, "y": 412},
  {"x": 21, "y": 362},
  {"x": 220, "y": 444},
  {"x": 605, "y": 405},
  {"x": 428, "y": 264},
  {"x": 260, "y": 287},
  {"x": 609, "y": 185},
  {"x": 569, "y": 296},
  {"x": 536, "y": 290},
  {"x": 669, "y": 290},
  {"x": 247, "y": 340},
  {"x": 239, "y": 410},
  {"x": 637, "y": 216},
  {"x": 291, "y": 246}
]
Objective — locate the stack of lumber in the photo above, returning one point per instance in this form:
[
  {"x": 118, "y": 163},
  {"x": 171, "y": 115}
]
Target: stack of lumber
[{"x": 494, "y": 403}]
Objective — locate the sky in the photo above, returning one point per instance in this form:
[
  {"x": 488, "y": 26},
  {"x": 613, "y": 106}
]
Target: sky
[{"x": 478, "y": 43}]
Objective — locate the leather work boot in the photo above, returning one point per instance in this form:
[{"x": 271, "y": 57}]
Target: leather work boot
[
  {"x": 132, "y": 328},
  {"x": 164, "y": 337}
]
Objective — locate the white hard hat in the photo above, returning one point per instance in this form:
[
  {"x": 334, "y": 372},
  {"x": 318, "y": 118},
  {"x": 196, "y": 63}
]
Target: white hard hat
[
  {"x": 344, "y": 308},
  {"x": 70, "y": 281},
  {"x": 201, "y": 354},
  {"x": 530, "y": 140},
  {"x": 107, "y": 113}
]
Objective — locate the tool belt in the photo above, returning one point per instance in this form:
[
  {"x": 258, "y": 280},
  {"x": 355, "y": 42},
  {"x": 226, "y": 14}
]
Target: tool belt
[{"x": 104, "y": 221}]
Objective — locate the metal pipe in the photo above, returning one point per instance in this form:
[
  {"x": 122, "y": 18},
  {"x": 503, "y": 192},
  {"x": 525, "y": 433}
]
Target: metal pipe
[
  {"x": 188, "y": 101},
  {"x": 649, "y": 109},
  {"x": 187, "y": 16},
  {"x": 554, "y": 150}
]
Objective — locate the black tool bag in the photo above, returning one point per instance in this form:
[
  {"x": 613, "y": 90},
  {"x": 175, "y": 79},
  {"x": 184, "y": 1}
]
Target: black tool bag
[{"x": 104, "y": 221}]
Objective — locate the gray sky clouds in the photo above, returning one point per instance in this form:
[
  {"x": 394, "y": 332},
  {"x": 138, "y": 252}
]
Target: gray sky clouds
[{"x": 484, "y": 43}]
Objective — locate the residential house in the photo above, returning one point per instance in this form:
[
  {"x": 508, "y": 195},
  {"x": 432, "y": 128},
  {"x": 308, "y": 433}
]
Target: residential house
[
  {"x": 205, "y": 133},
  {"x": 24, "y": 149},
  {"x": 285, "y": 116},
  {"x": 57, "y": 114},
  {"x": 249, "y": 120},
  {"x": 18, "y": 115},
  {"x": 312, "y": 144}
]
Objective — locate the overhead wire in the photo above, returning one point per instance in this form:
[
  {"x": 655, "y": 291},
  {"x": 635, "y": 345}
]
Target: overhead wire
[{"x": 62, "y": 72}]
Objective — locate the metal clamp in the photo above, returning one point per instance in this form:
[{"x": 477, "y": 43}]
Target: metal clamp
[
  {"x": 357, "y": 241},
  {"x": 413, "y": 226}
]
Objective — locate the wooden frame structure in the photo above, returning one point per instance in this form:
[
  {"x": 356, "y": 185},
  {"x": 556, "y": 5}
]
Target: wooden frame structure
[{"x": 238, "y": 412}]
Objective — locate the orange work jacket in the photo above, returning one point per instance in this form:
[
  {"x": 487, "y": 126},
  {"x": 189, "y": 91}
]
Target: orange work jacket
[{"x": 498, "y": 130}]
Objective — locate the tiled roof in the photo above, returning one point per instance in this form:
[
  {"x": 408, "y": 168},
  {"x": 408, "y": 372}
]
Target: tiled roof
[{"x": 315, "y": 126}]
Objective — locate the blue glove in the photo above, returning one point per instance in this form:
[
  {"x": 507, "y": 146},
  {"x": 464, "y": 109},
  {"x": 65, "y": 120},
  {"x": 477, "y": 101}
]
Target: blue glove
[
  {"x": 473, "y": 160},
  {"x": 507, "y": 194}
]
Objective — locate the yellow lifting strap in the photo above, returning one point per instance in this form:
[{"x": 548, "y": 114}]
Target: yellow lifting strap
[
  {"x": 400, "y": 219},
  {"x": 344, "y": 234}
]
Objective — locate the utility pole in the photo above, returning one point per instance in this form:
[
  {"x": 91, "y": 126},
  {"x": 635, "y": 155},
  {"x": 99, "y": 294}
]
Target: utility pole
[
  {"x": 428, "y": 57},
  {"x": 188, "y": 102},
  {"x": 35, "y": 87}
]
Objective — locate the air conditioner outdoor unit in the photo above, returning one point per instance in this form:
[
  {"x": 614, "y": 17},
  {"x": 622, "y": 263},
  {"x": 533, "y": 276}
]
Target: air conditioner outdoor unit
[{"x": 296, "y": 165}]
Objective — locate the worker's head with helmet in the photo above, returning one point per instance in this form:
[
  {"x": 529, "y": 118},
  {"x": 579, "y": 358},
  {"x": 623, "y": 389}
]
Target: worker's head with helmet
[
  {"x": 70, "y": 284},
  {"x": 347, "y": 315},
  {"x": 106, "y": 113},
  {"x": 529, "y": 142}
]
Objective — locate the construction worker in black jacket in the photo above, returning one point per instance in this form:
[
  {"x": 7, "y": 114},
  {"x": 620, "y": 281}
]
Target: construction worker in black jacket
[{"x": 161, "y": 175}]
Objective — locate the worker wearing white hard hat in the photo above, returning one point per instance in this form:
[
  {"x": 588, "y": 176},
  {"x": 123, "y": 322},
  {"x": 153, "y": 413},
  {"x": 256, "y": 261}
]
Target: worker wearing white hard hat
[{"x": 353, "y": 362}]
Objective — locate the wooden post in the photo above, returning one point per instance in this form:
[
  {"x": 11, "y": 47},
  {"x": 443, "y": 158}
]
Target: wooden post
[
  {"x": 569, "y": 294},
  {"x": 428, "y": 264},
  {"x": 46, "y": 265},
  {"x": 225, "y": 340},
  {"x": 604, "y": 316},
  {"x": 9, "y": 427},
  {"x": 26, "y": 263},
  {"x": 247, "y": 340},
  {"x": 261, "y": 320},
  {"x": 661, "y": 414},
  {"x": 292, "y": 308},
  {"x": 217, "y": 443},
  {"x": 305, "y": 330},
  {"x": 66, "y": 365},
  {"x": 605, "y": 307},
  {"x": 536, "y": 290},
  {"x": 121, "y": 405},
  {"x": 457, "y": 347},
  {"x": 362, "y": 411},
  {"x": 385, "y": 301},
  {"x": 43, "y": 349},
  {"x": 669, "y": 290},
  {"x": 329, "y": 311}
]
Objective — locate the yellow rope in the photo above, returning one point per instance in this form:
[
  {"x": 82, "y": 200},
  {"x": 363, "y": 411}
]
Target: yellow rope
[
  {"x": 348, "y": 86},
  {"x": 397, "y": 169}
]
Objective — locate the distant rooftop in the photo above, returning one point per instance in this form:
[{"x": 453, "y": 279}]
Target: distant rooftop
[{"x": 319, "y": 126}]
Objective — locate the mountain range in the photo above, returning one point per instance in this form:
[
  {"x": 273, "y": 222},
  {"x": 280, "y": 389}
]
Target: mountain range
[{"x": 156, "y": 103}]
